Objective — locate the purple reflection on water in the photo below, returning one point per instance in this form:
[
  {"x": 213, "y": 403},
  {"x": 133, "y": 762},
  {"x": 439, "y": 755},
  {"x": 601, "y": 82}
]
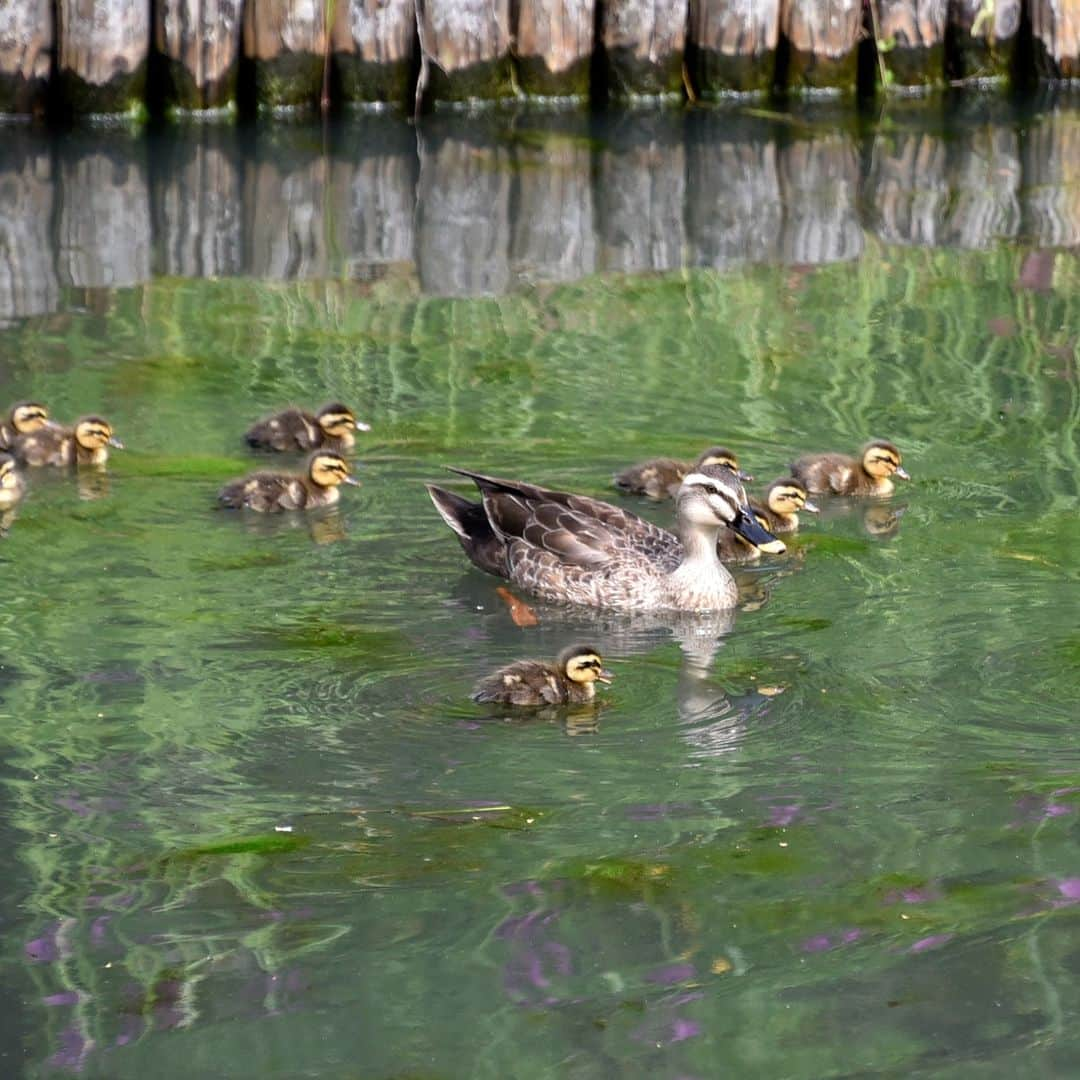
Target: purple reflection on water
[
  {"x": 71, "y": 1051},
  {"x": 932, "y": 942},
  {"x": 64, "y": 997},
  {"x": 50, "y": 947},
  {"x": 74, "y": 804},
  {"x": 673, "y": 973},
  {"x": 97, "y": 929},
  {"x": 131, "y": 1027},
  {"x": 914, "y": 894},
  {"x": 824, "y": 942},
  {"x": 782, "y": 815},
  {"x": 1069, "y": 888},
  {"x": 657, "y": 811}
]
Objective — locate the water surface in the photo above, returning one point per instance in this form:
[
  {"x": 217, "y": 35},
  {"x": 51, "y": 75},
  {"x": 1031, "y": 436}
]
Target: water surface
[{"x": 253, "y": 825}]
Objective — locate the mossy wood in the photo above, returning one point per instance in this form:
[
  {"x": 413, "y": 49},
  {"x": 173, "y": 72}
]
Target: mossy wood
[
  {"x": 732, "y": 45},
  {"x": 1055, "y": 32},
  {"x": 822, "y": 39},
  {"x": 285, "y": 43},
  {"x": 554, "y": 44},
  {"x": 373, "y": 43},
  {"x": 27, "y": 38},
  {"x": 643, "y": 42},
  {"x": 466, "y": 44},
  {"x": 102, "y": 50},
  {"x": 982, "y": 36},
  {"x": 911, "y": 40},
  {"x": 199, "y": 44}
]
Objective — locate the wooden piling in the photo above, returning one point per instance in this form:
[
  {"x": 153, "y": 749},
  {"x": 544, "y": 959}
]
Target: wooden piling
[
  {"x": 732, "y": 45},
  {"x": 643, "y": 42},
  {"x": 553, "y": 46},
  {"x": 982, "y": 37},
  {"x": 372, "y": 43},
  {"x": 26, "y": 40},
  {"x": 285, "y": 42},
  {"x": 907, "y": 194},
  {"x": 984, "y": 178},
  {"x": 910, "y": 38},
  {"x": 465, "y": 50},
  {"x": 821, "y": 39},
  {"x": 1050, "y": 197},
  {"x": 198, "y": 42},
  {"x": 102, "y": 51},
  {"x": 1055, "y": 33}
]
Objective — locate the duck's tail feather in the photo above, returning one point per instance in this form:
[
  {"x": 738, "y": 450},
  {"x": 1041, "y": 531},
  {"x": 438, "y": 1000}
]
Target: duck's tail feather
[{"x": 474, "y": 531}]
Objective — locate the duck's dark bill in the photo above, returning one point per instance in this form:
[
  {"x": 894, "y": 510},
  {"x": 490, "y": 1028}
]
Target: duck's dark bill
[{"x": 747, "y": 526}]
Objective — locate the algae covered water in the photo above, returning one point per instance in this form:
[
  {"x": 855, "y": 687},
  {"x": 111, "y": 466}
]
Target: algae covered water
[{"x": 253, "y": 825}]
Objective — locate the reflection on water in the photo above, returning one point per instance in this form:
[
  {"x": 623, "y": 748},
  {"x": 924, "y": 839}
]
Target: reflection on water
[
  {"x": 467, "y": 208},
  {"x": 254, "y": 825}
]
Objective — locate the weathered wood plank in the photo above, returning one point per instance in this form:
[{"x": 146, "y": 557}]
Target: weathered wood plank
[
  {"x": 982, "y": 37},
  {"x": 554, "y": 42},
  {"x": 1055, "y": 31},
  {"x": 643, "y": 44},
  {"x": 102, "y": 50},
  {"x": 196, "y": 204},
  {"x": 463, "y": 215},
  {"x": 734, "y": 212},
  {"x": 907, "y": 193},
  {"x": 822, "y": 38},
  {"x": 1050, "y": 196},
  {"x": 286, "y": 42},
  {"x": 984, "y": 177},
  {"x": 912, "y": 33},
  {"x": 26, "y": 42},
  {"x": 640, "y": 191},
  {"x": 28, "y": 284},
  {"x": 553, "y": 235},
  {"x": 819, "y": 184},
  {"x": 373, "y": 43},
  {"x": 199, "y": 41},
  {"x": 732, "y": 45},
  {"x": 467, "y": 44},
  {"x": 103, "y": 234}
]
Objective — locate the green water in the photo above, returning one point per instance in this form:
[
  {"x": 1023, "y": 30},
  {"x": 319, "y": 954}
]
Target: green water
[{"x": 253, "y": 826}]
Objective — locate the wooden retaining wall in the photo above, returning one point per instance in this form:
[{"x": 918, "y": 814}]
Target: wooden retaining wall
[{"x": 104, "y": 56}]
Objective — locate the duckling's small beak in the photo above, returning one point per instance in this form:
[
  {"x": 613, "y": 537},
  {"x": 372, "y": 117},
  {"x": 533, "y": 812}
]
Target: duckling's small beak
[
  {"x": 361, "y": 426},
  {"x": 744, "y": 476},
  {"x": 604, "y": 676},
  {"x": 749, "y": 528},
  {"x": 902, "y": 473},
  {"x": 115, "y": 443},
  {"x": 810, "y": 508},
  {"x": 351, "y": 481}
]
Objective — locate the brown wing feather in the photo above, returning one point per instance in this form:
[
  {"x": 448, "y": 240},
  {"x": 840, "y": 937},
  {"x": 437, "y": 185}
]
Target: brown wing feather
[
  {"x": 290, "y": 429},
  {"x": 49, "y": 445}
]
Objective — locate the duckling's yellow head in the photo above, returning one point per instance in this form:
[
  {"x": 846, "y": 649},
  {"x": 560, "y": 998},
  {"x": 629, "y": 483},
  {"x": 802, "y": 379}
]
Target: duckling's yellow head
[
  {"x": 788, "y": 496},
  {"x": 881, "y": 459},
  {"x": 93, "y": 433},
  {"x": 339, "y": 421},
  {"x": 9, "y": 473},
  {"x": 27, "y": 416},
  {"x": 328, "y": 470},
  {"x": 721, "y": 455},
  {"x": 582, "y": 664}
]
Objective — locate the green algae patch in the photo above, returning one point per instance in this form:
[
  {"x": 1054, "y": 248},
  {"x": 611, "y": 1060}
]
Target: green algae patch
[{"x": 261, "y": 844}]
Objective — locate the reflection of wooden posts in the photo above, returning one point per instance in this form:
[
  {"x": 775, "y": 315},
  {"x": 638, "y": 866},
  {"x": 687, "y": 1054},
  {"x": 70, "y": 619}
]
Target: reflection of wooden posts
[
  {"x": 906, "y": 190},
  {"x": 984, "y": 178},
  {"x": 554, "y": 43},
  {"x": 199, "y": 41},
  {"x": 822, "y": 43},
  {"x": 640, "y": 197},
  {"x": 912, "y": 40},
  {"x": 982, "y": 37},
  {"x": 103, "y": 219},
  {"x": 819, "y": 182},
  {"x": 286, "y": 43},
  {"x": 463, "y": 216},
  {"x": 732, "y": 44},
  {"x": 1051, "y": 189},
  {"x": 466, "y": 49},
  {"x": 28, "y": 284},
  {"x": 643, "y": 42},
  {"x": 102, "y": 49},
  {"x": 26, "y": 41},
  {"x": 1055, "y": 32},
  {"x": 372, "y": 43}
]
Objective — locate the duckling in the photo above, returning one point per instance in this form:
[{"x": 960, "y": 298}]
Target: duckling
[
  {"x": 570, "y": 680},
  {"x": 12, "y": 483},
  {"x": 570, "y": 548},
  {"x": 22, "y": 418},
  {"x": 331, "y": 428},
  {"x": 87, "y": 442},
  {"x": 868, "y": 474},
  {"x": 270, "y": 492},
  {"x": 784, "y": 498},
  {"x": 659, "y": 478}
]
